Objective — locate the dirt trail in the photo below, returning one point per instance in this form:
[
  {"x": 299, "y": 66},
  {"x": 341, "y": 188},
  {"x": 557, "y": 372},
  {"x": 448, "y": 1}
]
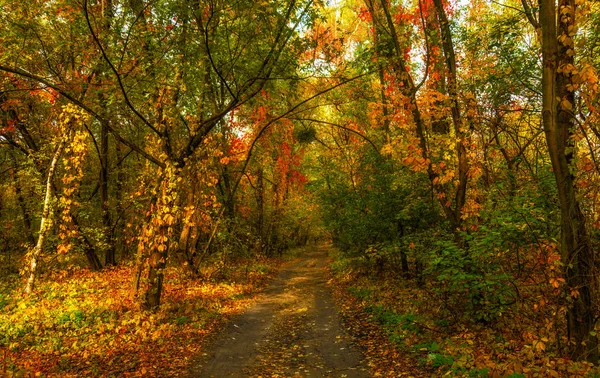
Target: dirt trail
[{"x": 293, "y": 330}]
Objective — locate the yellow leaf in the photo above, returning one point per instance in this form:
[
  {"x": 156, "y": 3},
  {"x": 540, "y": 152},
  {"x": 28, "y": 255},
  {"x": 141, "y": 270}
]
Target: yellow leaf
[
  {"x": 566, "y": 105},
  {"x": 539, "y": 345}
]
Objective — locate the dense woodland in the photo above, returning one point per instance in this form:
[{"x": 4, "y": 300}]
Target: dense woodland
[{"x": 448, "y": 149}]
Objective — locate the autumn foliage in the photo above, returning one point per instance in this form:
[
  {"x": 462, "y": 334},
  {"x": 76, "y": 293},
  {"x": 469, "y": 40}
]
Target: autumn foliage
[{"x": 157, "y": 156}]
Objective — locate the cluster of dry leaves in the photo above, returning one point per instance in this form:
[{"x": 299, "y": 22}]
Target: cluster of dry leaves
[{"x": 86, "y": 323}]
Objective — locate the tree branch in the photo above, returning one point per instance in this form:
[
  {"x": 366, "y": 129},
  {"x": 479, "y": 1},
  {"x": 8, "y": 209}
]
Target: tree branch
[
  {"x": 83, "y": 106},
  {"x": 341, "y": 127},
  {"x": 114, "y": 70}
]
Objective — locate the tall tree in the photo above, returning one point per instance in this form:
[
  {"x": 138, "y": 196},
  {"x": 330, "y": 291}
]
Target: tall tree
[
  {"x": 452, "y": 197},
  {"x": 558, "y": 28}
]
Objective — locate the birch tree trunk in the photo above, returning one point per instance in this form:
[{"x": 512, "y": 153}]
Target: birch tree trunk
[{"x": 45, "y": 222}]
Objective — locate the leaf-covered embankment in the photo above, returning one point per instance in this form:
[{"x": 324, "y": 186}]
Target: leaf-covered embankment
[
  {"x": 85, "y": 323},
  {"x": 407, "y": 330}
]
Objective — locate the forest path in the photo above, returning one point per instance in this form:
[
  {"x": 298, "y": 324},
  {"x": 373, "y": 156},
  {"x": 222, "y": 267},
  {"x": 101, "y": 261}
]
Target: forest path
[{"x": 293, "y": 330}]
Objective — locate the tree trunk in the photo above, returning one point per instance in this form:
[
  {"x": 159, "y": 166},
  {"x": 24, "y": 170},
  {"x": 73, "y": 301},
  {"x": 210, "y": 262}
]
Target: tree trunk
[
  {"x": 460, "y": 134},
  {"x": 148, "y": 280},
  {"x": 403, "y": 256},
  {"x": 227, "y": 194},
  {"x": 109, "y": 257},
  {"x": 104, "y": 200},
  {"x": 45, "y": 222},
  {"x": 88, "y": 249},
  {"x": 156, "y": 265},
  {"x": 453, "y": 215},
  {"x": 260, "y": 199},
  {"x": 431, "y": 24},
  {"x": 119, "y": 210},
  {"x": 186, "y": 236},
  {"x": 577, "y": 253},
  {"x": 19, "y": 193},
  {"x": 155, "y": 240}
]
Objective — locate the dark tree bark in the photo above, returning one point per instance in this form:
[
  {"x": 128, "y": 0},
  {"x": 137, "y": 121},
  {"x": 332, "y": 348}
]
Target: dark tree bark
[
  {"x": 88, "y": 248},
  {"x": 457, "y": 120},
  {"x": 260, "y": 199},
  {"x": 577, "y": 253},
  {"x": 107, "y": 224},
  {"x": 21, "y": 200}
]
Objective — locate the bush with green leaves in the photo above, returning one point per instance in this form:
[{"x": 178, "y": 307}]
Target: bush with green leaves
[
  {"x": 370, "y": 219},
  {"x": 477, "y": 279}
]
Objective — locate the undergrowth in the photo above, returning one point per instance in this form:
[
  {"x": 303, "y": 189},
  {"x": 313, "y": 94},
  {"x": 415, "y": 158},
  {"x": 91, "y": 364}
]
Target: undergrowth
[
  {"x": 83, "y": 323},
  {"x": 519, "y": 342}
]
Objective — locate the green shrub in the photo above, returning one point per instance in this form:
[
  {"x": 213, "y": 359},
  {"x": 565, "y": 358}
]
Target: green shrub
[
  {"x": 439, "y": 360},
  {"x": 75, "y": 318},
  {"x": 472, "y": 281},
  {"x": 361, "y": 293},
  {"x": 182, "y": 320}
]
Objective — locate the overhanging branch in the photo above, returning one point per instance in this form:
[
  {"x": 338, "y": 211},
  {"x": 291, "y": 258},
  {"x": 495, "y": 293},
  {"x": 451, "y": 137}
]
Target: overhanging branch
[{"x": 80, "y": 104}]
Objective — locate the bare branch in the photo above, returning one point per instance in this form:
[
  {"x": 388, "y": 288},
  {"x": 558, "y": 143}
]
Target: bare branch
[
  {"x": 529, "y": 13},
  {"x": 340, "y": 127}
]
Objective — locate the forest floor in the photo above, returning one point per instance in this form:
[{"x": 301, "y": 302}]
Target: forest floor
[
  {"x": 313, "y": 313},
  {"x": 82, "y": 323},
  {"x": 294, "y": 329}
]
